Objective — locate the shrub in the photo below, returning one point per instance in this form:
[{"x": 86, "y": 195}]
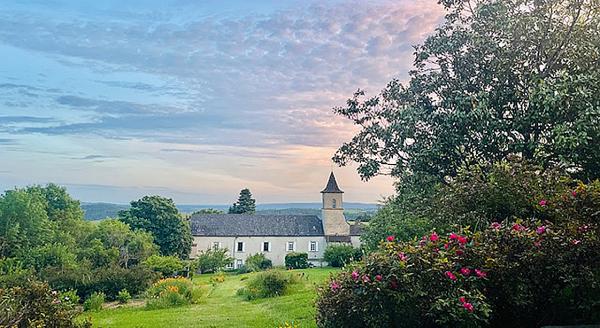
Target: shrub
[
  {"x": 167, "y": 266},
  {"x": 212, "y": 260},
  {"x": 340, "y": 255},
  {"x": 266, "y": 284},
  {"x": 94, "y": 302},
  {"x": 218, "y": 278},
  {"x": 296, "y": 260},
  {"x": 123, "y": 297},
  {"x": 34, "y": 304},
  {"x": 172, "y": 292},
  {"x": 528, "y": 274},
  {"x": 258, "y": 262}
]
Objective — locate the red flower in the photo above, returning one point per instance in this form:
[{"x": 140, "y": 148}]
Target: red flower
[
  {"x": 453, "y": 236},
  {"x": 355, "y": 275},
  {"x": 450, "y": 275},
  {"x": 574, "y": 193},
  {"x": 459, "y": 252},
  {"x": 480, "y": 273},
  {"x": 468, "y": 306},
  {"x": 496, "y": 225},
  {"x": 462, "y": 299},
  {"x": 378, "y": 277},
  {"x": 434, "y": 237},
  {"x": 465, "y": 271},
  {"x": 540, "y": 230},
  {"x": 446, "y": 246},
  {"x": 543, "y": 202},
  {"x": 462, "y": 240},
  {"x": 518, "y": 227},
  {"x": 391, "y": 238}
]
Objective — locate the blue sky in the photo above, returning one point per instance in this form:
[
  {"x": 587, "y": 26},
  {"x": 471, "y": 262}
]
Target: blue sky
[{"x": 194, "y": 100}]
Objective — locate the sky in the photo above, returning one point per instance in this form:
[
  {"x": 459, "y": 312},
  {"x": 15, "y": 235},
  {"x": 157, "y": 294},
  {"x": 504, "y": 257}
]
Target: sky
[{"x": 195, "y": 100}]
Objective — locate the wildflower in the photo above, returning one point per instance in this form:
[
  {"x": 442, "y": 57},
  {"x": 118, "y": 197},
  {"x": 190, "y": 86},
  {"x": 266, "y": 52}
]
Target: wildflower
[
  {"x": 450, "y": 275},
  {"x": 334, "y": 286},
  {"x": 390, "y": 238},
  {"x": 434, "y": 237},
  {"x": 379, "y": 277},
  {"x": 453, "y": 236},
  {"x": 543, "y": 202},
  {"x": 366, "y": 279},
  {"x": 540, "y": 230},
  {"x": 496, "y": 225},
  {"x": 468, "y": 306},
  {"x": 402, "y": 256},
  {"x": 465, "y": 271},
  {"x": 462, "y": 240},
  {"x": 462, "y": 299},
  {"x": 355, "y": 275},
  {"x": 480, "y": 273}
]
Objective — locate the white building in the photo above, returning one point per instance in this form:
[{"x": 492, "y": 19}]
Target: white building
[{"x": 276, "y": 235}]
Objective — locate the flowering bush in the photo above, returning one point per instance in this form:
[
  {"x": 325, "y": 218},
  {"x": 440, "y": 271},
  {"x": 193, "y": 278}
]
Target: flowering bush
[
  {"x": 172, "y": 292},
  {"x": 525, "y": 274}
]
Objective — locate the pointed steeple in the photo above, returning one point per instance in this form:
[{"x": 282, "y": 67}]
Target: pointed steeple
[{"x": 332, "y": 186}]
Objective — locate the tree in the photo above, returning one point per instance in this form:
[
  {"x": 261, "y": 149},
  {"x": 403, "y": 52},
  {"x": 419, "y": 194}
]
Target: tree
[
  {"x": 245, "y": 203},
  {"x": 498, "y": 78},
  {"x": 160, "y": 217},
  {"x": 208, "y": 211},
  {"x": 212, "y": 260}
]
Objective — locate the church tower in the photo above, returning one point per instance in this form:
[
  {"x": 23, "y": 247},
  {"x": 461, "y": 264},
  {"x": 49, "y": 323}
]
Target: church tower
[{"x": 332, "y": 213}]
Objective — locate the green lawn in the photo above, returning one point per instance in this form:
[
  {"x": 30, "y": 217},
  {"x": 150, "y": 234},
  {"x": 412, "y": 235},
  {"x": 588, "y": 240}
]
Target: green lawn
[{"x": 221, "y": 307}]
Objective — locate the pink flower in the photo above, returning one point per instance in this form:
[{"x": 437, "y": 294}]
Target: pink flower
[
  {"x": 543, "y": 202},
  {"x": 453, "y": 236},
  {"x": 459, "y": 252},
  {"x": 574, "y": 193},
  {"x": 480, "y": 273},
  {"x": 537, "y": 243},
  {"x": 540, "y": 230},
  {"x": 465, "y": 271},
  {"x": 462, "y": 299},
  {"x": 450, "y": 275},
  {"x": 468, "y": 306},
  {"x": 390, "y": 238},
  {"x": 434, "y": 237},
  {"x": 366, "y": 279},
  {"x": 583, "y": 228},
  {"x": 518, "y": 227},
  {"x": 496, "y": 225},
  {"x": 355, "y": 275},
  {"x": 462, "y": 240},
  {"x": 402, "y": 256},
  {"x": 576, "y": 241},
  {"x": 446, "y": 246},
  {"x": 379, "y": 277},
  {"x": 334, "y": 286}
]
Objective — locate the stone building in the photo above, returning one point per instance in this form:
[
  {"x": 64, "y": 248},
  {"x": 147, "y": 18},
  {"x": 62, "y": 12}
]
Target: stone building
[{"x": 276, "y": 235}]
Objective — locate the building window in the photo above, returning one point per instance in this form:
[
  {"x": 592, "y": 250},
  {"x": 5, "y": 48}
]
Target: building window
[
  {"x": 240, "y": 246},
  {"x": 239, "y": 263},
  {"x": 266, "y": 246},
  {"x": 334, "y": 203},
  {"x": 216, "y": 245},
  {"x": 291, "y": 246},
  {"x": 313, "y": 246}
]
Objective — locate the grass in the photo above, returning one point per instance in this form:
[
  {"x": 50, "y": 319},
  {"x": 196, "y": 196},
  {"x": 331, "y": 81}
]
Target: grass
[{"x": 221, "y": 307}]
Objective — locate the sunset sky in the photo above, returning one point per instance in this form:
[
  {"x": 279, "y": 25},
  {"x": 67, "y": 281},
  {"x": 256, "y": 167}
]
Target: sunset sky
[{"x": 194, "y": 100}]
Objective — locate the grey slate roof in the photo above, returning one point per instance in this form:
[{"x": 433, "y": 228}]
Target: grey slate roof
[
  {"x": 255, "y": 225},
  {"x": 356, "y": 229},
  {"x": 332, "y": 185}
]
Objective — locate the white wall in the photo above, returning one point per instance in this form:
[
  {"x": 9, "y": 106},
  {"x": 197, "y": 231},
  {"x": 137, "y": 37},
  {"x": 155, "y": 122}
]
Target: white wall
[{"x": 253, "y": 245}]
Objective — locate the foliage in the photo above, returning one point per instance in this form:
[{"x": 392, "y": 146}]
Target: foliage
[
  {"x": 266, "y": 284},
  {"x": 258, "y": 262},
  {"x": 498, "y": 78},
  {"x": 208, "y": 211},
  {"x": 212, "y": 260},
  {"x": 35, "y": 305},
  {"x": 123, "y": 297},
  {"x": 295, "y": 260},
  {"x": 166, "y": 265},
  {"x": 160, "y": 217},
  {"x": 244, "y": 204},
  {"x": 94, "y": 302},
  {"x": 528, "y": 274},
  {"x": 172, "y": 292},
  {"x": 341, "y": 255}
]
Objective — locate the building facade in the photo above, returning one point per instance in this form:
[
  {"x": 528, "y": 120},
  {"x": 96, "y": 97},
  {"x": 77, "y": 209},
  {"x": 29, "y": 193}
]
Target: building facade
[{"x": 277, "y": 235}]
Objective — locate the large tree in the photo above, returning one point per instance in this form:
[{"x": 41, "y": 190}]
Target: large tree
[
  {"x": 160, "y": 217},
  {"x": 498, "y": 78},
  {"x": 244, "y": 204}
]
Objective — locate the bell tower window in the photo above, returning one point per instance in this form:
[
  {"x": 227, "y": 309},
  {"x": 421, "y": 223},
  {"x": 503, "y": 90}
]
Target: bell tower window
[{"x": 334, "y": 203}]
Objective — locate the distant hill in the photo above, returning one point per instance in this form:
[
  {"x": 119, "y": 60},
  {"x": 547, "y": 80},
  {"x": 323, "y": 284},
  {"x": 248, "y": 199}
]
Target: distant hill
[{"x": 98, "y": 211}]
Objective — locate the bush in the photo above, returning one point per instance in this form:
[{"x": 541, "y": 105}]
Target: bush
[
  {"x": 34, "y": 304},
  {"x": 94, "y": 302},
  {"x": 123, "y": 297},
  {"x": 167, "y": 266},
  {"x": 172, "y": 292},
  {"x": 340, "y": 255},
  {"x": 528, "y": 274},
  {"x": 258, "y": 262},
  {"x": 266, "y": 284},
  {"x": 296, "y": 260},
  {"x": 212, "y": 260}
]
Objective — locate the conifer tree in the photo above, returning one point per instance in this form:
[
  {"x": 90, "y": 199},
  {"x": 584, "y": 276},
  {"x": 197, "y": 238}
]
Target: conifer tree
[{"x": 244, "y": 204}]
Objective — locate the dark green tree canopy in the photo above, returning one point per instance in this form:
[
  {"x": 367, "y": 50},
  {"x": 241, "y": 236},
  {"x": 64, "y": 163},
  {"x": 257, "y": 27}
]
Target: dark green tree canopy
[
  {"x": 245, "y": 203},
  {"x": 160, "y": 217},
  {"x": 498, "y": 78}
]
